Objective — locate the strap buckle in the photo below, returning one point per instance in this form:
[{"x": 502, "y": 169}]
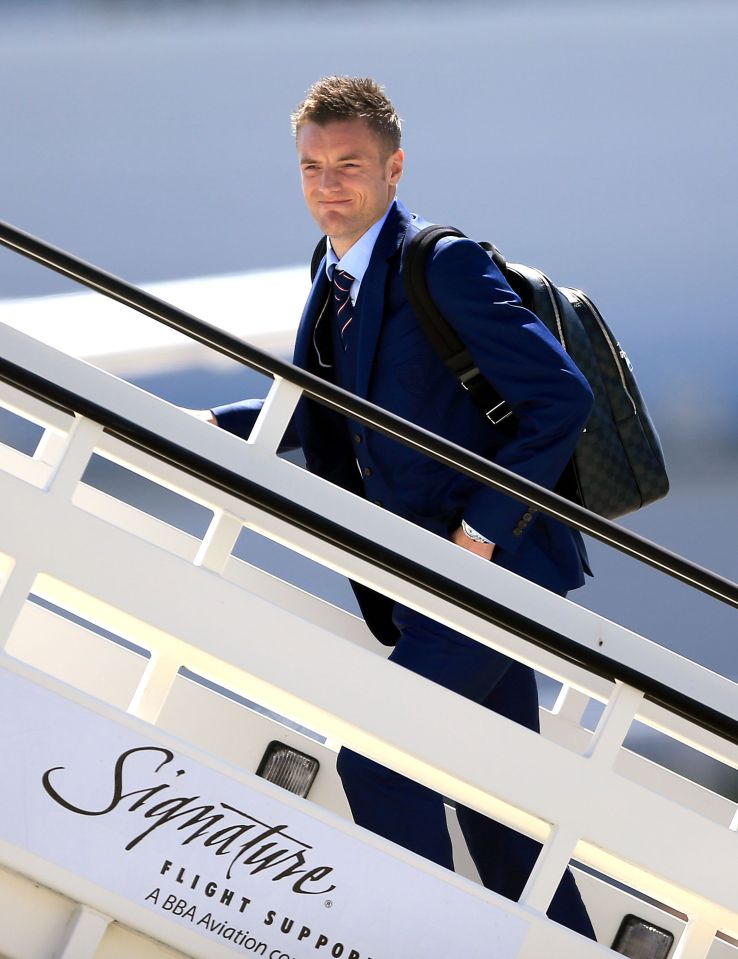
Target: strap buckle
[{"x": 499, "y": 412}]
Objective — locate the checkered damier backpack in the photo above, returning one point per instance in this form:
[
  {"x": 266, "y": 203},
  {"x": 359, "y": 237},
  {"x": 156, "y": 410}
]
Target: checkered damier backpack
[{"x": 618, "y": 465}]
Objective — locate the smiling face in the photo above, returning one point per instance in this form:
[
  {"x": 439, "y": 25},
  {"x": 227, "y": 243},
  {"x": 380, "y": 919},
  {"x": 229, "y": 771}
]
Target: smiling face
[{"x": 349, "y": 177}]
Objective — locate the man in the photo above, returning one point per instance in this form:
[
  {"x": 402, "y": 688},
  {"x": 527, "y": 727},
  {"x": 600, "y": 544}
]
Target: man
[{"x": 358, "y": 330}]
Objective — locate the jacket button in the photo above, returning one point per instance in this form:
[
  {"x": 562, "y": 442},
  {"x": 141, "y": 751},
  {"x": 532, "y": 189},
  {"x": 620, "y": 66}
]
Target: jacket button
[
  {"x": 517, "y": 532},
  {"x": 367, "y": 471},
  {"x": 357, "y": 438},
  {"x": 527, "y": 517},
  {"x": 378, "y": 502}
]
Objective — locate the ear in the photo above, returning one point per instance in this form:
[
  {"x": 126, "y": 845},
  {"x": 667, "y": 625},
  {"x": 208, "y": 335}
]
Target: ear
[{"x": 395, "y": 165}]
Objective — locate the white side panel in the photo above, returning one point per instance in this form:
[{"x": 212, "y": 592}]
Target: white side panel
[
  {"x": 33, "y": 919},
  {"x": 75, "y": 655},
  {"x": 200, "y": 858}
]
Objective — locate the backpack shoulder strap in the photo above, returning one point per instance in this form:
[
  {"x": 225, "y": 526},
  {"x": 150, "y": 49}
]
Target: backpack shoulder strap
[
  {"x": 442, "y": 336},
  {"x": 318, "y": 254}
]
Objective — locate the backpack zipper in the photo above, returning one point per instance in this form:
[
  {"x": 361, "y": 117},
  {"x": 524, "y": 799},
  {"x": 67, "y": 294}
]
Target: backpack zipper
[
  {"x": 554, "y": 304},
  {"x": 617, "y": 353}
]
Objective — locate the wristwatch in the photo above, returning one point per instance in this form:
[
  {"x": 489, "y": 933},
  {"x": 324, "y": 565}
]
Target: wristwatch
[{"x": 473, "y": 534}]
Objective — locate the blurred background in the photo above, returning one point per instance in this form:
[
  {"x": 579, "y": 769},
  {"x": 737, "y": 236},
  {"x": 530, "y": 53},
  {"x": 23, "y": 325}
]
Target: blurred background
[{"x": 596, "y": 141}]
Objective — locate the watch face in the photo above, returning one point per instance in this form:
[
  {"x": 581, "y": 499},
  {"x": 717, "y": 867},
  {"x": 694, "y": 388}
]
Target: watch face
[{"x": 472, "y": 533}]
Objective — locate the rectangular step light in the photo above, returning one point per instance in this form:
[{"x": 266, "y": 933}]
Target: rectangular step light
[
  {"x": 639, "y": 939},
  {"x": 288, "y": 768}
]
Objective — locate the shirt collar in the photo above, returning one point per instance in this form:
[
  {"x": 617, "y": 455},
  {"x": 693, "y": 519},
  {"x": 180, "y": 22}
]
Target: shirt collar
[{"x": 356, "y": 260}]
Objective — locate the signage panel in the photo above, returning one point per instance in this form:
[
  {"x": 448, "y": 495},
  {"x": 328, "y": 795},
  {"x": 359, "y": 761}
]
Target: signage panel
[{"x": 228, "y": 861}]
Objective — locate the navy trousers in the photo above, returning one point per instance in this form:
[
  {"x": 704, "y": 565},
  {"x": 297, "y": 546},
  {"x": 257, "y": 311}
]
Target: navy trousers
[{"x": 413, "y": 815}]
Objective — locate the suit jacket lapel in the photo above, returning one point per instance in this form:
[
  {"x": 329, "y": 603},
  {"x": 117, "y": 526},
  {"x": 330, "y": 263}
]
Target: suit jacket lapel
[
  {"x": 369, "y": 309},
  {"x": 305, "y": 352}
]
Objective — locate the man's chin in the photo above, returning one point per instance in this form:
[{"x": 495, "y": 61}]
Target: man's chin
[{"x": 333, "y": 223}]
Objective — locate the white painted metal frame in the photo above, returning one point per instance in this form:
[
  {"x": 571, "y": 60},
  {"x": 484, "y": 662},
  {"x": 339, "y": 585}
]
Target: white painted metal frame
[{"x": 189, "y": 606}]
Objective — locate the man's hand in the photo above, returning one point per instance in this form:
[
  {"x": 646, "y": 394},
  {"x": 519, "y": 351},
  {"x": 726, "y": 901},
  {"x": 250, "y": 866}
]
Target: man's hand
[
  {"x": 205, "y": 415},
  {"x": 484, "y": 550}
]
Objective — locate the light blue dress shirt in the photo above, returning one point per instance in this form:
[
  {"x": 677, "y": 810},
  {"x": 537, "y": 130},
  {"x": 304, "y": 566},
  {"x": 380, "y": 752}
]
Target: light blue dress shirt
[{"x": 356, "y": 260}]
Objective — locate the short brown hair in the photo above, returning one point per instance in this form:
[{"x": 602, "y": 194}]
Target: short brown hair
[{"x": 350, "y": 98}]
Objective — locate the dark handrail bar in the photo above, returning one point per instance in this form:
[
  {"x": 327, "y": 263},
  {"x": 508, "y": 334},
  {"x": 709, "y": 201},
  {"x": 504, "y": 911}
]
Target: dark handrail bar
[
  {"x": 348, "y": 404},
  {"x": 378, "y": 555}
]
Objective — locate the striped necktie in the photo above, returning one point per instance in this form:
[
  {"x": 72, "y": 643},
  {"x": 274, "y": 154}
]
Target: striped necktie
[{"x": 344, "y": 307}]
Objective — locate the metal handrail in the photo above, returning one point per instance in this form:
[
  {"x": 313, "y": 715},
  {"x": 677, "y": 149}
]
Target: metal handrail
[
  {"x": 381, "y": 557},
  {"x": 376, "y": 418}
]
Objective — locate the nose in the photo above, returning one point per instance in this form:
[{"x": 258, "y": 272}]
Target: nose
[{"x": 328, "y": 179}]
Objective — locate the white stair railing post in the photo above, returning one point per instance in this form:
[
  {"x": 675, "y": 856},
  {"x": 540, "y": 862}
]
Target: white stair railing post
[
  {"x": 549, "y": 869},
  {"x": 155, "y": 686},
  {"x": 559, "y": 848},
  {"x": 696, "y": 940},
  {"x": 570, "y": 704},
  {"x": 78, "y": 447},
  {"x": 219, "y": 541},
  {"x": 14, "y": 595},
  {"x": 275, "y": 415},
  {"x": 50, "y": 447},
  {"x": 614, "y": 724},
  {"x": 83, "y": 934},
  {"x": 80, "y": 444}
]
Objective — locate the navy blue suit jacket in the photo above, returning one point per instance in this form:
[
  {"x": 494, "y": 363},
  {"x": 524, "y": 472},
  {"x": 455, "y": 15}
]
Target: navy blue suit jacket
[{"x": 397, "y": 369}]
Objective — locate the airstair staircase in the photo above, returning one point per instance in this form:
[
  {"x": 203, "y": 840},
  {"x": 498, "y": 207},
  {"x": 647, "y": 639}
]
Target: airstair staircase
[{"x": 146, "y": 671}]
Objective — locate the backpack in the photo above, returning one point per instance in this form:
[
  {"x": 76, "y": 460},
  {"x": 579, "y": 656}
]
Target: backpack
[{"x": 618, "y": 464}]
